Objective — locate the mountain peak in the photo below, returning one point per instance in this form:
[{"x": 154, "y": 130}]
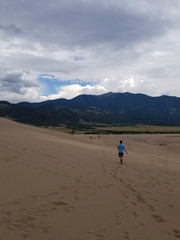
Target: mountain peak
[{"x": 109, "y": 108}]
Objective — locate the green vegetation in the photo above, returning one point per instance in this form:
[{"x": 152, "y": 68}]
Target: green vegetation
[
  {"x": 71, "y": 128},
  {"x": 84, "y": 112},
  {"x": 140, "y": 129},
  {"x": 108, "y": 129}
]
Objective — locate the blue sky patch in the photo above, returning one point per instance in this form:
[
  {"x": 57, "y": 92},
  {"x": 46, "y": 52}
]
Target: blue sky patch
[
  {"x": 50, "y": 84},
  {"x": 78, "y": 58}
]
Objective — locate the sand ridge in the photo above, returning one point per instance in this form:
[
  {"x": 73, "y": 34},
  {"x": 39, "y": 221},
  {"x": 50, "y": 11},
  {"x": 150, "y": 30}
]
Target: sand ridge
[{"x": 61, "y": 186}]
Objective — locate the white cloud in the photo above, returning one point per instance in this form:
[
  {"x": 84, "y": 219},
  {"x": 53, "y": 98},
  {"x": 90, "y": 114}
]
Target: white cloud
[
  {"x": 18, "y": 86},
  {"x": 115, "y": 45},
  {"x": 74, "y": 90}
]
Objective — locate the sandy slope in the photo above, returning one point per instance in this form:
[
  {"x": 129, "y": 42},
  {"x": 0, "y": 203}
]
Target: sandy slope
[{"x": 56, "y": 186}]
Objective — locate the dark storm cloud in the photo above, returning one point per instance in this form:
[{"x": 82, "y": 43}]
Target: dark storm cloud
[
  {"x": 100, "y": 27},
  {"x": 133, "y": 45},
  {"x": 79, "y": 23},
  {"x": 11, "y": 29},
  {"x": 15, "y": 82}
]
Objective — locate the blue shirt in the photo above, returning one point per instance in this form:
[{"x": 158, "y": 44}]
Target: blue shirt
[{"x": 121, "y": 148}]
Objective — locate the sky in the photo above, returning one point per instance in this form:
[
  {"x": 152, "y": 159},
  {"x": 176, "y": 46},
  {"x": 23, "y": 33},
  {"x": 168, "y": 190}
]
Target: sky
[{"x": 64, "y": 48}]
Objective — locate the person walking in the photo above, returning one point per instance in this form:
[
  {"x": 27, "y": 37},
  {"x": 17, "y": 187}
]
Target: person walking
[{"x": 121, "y": 149}]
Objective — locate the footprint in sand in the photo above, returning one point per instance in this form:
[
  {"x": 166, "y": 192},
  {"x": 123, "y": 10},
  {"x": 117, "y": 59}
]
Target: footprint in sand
[
  {"x": 53, "y": 193},
  {"x": 59, "y": 204},
  {"x": 176, "y": 233},
  {"x": 134, "y": 214},
  {"x": 116, "y": 215},
  {"x": 151, "y": 208},
  {"x": 96, "y": 234},
  {"x": 7, "y": 213},
  {"x": 126, "y": 235},
  {"x": 159, "y": 218},
  {"x": 25, "y": 235}
]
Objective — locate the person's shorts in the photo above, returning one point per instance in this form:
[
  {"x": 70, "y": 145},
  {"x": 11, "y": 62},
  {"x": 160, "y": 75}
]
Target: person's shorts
[{"x": 120, "y": 154}]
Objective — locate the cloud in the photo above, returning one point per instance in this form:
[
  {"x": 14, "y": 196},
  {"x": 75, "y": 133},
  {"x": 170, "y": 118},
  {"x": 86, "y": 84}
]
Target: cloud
[
  {"x": 113, "y": 45},
  {"x": 10, "y": 29},
  {"x": 74, "y": 90},
  {"x": 86, "y": 23},
  {"x": 19, "y": 86},
  {"x": 16, "y": 82}
]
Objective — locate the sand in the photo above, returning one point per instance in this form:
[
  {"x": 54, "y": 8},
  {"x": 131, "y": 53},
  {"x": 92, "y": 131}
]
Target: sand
[{"x": 57, "y": 186}]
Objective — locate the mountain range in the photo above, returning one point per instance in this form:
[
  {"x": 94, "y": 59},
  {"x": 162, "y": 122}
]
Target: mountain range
[{"x": 110, "y": 108}]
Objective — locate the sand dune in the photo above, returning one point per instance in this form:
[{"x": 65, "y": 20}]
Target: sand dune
[{"x": 58, "y": 186}]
